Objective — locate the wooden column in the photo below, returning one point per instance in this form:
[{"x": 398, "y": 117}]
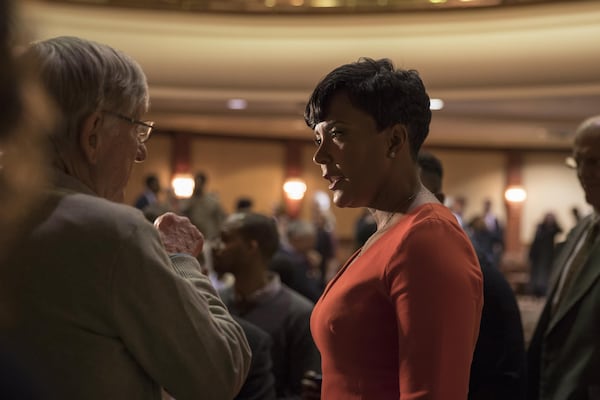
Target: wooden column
[
  {"x": 512, "y": 233},
  {"x": 180, "y": 155},
  {"x": 293, "y": 169}
]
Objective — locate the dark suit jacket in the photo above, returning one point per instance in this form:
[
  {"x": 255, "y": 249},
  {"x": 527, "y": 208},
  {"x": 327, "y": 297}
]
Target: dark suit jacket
[
  {"x": 498, "y": 370},
  {"x": 260, "y": 383},
  {"x": 564, "y": 355}
]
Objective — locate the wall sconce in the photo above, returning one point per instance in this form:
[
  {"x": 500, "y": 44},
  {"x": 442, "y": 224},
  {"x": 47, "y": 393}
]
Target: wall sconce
[
  {"x": 183, "y": 185},
  {"x": 515, "y": 194},
  {"x": 294, "y": 189}
]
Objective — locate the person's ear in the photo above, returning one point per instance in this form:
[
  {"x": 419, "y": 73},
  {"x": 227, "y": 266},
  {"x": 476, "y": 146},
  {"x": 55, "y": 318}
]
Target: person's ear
[
  {"x": 398, "y": 137},
  {"x": 253, "y": 244},
  {"x": 89, "y": 136}
]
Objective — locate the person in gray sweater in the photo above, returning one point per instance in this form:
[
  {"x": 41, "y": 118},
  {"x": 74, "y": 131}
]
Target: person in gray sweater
[{"x": 101, "y": 304}]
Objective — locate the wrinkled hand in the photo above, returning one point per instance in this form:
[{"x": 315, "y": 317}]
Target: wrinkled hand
[{"x": 178, "y": 234}]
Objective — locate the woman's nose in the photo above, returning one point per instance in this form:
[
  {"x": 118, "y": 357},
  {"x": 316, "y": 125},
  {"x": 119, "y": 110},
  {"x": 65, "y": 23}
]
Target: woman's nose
[{"x": 321, "y": 156}]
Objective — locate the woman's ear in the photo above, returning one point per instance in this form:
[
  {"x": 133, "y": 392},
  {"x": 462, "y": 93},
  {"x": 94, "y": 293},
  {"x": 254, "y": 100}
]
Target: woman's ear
[
  {"x": 253, "y": 245},
  {"x": 89, "y": 136},
  {"x": 398, "y": 138}
]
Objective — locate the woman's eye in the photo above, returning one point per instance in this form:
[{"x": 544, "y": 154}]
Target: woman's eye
[
  {"x": 335, "y": 134},
  {"x": 318, "y": 141}
]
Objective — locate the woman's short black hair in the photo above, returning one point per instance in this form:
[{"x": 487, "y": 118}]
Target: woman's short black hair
[{"x": 390, "y": 96}]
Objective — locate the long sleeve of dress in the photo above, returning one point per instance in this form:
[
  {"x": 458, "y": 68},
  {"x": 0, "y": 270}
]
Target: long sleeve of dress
[{"x": 436, "y": 286}]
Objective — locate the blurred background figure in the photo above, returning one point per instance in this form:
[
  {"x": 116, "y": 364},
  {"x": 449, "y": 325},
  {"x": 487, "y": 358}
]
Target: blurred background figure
[
  {"x": 364, "y": 227},
  {"x": 302, "y": 237},
  {"x": 483, "y": 240},
  {"x": 150, "y": 202},
  {"x": 498, "y": 370},
  {"x": 326, "y": 241},
  {"x": 206, "y": 213},
  {"x": 204, "y": 209},
  {"x": 150, "y": 194},
  {"x": 457, "y": 207},
  {"x": 244, "y": 204},
  {"x": 246, "y": 245},
  {"x": 25, "y": 119},
  {"x": 541, "y": 254},
  {"x": 496, "y": 231}
]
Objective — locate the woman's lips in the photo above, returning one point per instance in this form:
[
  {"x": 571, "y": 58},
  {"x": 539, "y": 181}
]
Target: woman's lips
[{"x": 335, "y": 182}]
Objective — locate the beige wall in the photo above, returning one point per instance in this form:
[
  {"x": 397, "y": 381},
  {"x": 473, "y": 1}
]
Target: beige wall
[
  {"x": 551, "y": 186},
  {"x": 256, "y": 168},
  {"x": 475, "y": 175},
  {"x": 241, "y": 168}
]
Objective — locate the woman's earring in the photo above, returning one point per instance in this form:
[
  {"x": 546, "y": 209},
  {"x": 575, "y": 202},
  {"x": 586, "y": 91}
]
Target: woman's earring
[{"x": 392, "y": 154}]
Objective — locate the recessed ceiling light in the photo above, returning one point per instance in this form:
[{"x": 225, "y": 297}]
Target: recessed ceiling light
[
  {"x": 237, "y": 104},
  {"x": 436, "y": 104}
]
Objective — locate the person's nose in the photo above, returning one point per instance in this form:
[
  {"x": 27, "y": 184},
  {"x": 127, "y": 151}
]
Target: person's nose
[
  {"x": 142, "y": 153},
  {"x": 322, "y": 155}
]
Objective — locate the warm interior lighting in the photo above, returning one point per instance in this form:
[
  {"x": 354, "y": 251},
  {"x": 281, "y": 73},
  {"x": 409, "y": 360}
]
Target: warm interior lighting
[
  {"x": 437, "y": 1},
  {"x": 270, "y": 3},
  {"x": 237, "y": 104},
  {"x": 294, "y": 189},
  {"x": 436, "y": 104},
  {"x": 183, "y": 185},
  {"x": 515, "y": 194},
  {"x": 297, "y": 3},
  {"x": 324, "y": 3}
]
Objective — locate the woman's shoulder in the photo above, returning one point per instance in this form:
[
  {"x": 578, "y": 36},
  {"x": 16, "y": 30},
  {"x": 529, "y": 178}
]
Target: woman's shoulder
[{"x": 431, "y": 214}]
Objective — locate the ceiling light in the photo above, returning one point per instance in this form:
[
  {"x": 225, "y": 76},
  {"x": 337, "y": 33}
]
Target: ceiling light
[
  {"x": 237, "y": 104},
  {"x": 324, "y": 3},
  {"x": 436, "y": 104},
  {"x": 437, "y": 1}
]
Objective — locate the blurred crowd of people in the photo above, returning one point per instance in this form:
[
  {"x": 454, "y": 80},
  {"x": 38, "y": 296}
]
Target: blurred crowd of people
[{"x": 182, "y": 300}]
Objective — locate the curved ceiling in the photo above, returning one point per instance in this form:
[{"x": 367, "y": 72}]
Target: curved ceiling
[{"x": 510, "y": 77}]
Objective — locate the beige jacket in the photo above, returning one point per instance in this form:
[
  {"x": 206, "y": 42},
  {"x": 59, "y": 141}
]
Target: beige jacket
[{"x": 100, "y": 311}]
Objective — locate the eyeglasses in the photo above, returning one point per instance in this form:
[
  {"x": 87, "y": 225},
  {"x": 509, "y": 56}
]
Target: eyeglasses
[{"x": 142, "y": 129}]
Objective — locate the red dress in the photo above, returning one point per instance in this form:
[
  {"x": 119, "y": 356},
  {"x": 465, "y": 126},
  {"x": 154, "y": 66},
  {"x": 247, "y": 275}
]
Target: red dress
[{"x": 401, "y": 320}]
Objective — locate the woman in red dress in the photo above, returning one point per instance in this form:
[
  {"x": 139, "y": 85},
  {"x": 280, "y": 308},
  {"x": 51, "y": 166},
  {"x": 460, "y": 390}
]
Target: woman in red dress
[{"x": 401, "y": 318}]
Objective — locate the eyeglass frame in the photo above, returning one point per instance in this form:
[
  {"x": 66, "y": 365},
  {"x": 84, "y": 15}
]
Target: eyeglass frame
[{"x": 142, "y": 137}]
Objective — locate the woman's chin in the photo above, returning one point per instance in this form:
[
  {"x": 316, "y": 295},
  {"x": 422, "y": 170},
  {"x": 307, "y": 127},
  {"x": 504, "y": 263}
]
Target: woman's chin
[{"x": 340, "y": 200}]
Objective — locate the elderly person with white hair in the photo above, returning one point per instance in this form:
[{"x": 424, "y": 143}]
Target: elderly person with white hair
[{"x": 101, "y": 303}]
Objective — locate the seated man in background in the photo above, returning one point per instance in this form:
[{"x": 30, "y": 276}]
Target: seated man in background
[
  {"x": 498, "y": 367},
  {"x": 247, "y": 244},
  {"x": 101, "y": 304}
]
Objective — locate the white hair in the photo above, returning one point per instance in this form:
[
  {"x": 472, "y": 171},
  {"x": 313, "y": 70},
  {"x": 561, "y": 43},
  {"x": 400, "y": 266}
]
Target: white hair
[{"x": 82, "y": 76}]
